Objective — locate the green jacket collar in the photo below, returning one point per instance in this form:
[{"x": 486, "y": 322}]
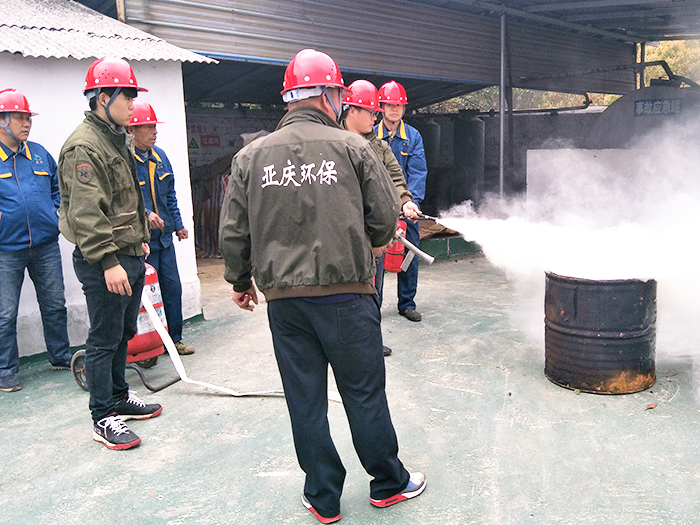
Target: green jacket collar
[{"x": 307, "y": 114}]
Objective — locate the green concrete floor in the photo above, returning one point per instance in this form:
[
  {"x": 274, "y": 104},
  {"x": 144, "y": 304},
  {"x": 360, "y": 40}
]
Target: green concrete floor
[{"x": 499, "y": 443}]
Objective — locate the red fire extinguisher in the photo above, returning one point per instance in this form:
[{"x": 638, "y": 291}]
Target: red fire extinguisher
[
  {"x": 393, "y": 257},
  {"x": 147, "y": 344}
]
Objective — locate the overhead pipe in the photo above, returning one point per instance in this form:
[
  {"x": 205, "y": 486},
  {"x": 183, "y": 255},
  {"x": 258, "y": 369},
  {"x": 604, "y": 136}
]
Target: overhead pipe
[
  {"x": 501, "y": 109},
  {"x": 624, "y": 67},
  {"x": 586, "y": 103}
]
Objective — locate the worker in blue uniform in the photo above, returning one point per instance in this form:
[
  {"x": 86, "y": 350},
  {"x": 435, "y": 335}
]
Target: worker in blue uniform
[
  {"x": 29, "y": 200},
  {"x": 158, "y": 188},
  {"x": 407, "y": 145}
]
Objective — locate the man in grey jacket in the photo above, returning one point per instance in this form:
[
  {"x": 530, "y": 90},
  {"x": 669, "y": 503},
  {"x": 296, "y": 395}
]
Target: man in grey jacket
[{"x": 306, "y": 209}]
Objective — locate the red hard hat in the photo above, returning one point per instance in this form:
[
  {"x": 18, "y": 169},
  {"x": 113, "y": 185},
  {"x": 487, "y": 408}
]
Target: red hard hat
[
  {"x": 311, "y": 68},
  {"x": 110, "y": 72},
  {"x": 13, "y": 101},
  {"x": 143, "y": 114},
  {"x": 392, "y": 93},
  {"x": 363, "y": 94}
]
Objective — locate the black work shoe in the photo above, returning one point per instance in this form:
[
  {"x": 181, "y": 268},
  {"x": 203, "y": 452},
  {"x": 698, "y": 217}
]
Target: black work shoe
[
  {"x": 387, "y": 351},
  {"x": 61, "y": 365},
  {"x": 411, "y": 315},
  {"x": 132, "y": 407},
  {"x": 148, "y": 363},
  {"x": 114, "y": 433}
]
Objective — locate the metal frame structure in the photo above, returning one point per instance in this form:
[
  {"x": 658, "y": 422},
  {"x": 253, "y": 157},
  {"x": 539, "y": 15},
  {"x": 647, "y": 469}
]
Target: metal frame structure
[{"x": 268, "y": 38}]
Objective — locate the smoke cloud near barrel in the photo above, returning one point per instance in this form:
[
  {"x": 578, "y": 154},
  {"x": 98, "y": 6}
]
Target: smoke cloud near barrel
[{"x": 602, "y": 214}]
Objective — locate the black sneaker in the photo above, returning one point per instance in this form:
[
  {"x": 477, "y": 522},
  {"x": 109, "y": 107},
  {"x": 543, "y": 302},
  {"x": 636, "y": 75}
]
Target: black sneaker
[
  {"x": 132, "y": 407},
  {"x": 386, "y": 350},
  {"x": 114, "y": 433}
]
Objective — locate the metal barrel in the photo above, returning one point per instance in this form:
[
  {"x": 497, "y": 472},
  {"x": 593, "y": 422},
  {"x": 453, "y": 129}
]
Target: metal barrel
[{"x": 600, "y": 336}]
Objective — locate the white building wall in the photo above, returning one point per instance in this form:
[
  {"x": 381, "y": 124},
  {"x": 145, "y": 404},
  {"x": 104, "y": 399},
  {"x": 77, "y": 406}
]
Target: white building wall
[{"x": 54, "y": 90}]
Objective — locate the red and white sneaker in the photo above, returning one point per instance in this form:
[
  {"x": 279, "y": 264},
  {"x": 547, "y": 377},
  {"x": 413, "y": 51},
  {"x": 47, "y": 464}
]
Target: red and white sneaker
[
  {"x": 320, "y": 518},
  {"x": 114, "y": 433},
  {"x": 415, "y": 487},
  {"x": 131, "y": 407}
]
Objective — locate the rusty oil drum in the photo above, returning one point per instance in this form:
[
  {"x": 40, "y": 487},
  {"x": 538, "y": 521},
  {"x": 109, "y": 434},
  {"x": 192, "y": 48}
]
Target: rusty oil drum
[{"x": 600, "y": 336}]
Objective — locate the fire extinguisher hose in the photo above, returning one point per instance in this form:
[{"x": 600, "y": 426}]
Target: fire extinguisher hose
[{"x": 175, "y": 357}]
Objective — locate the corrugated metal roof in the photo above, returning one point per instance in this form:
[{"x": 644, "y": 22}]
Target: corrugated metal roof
[
  {"x": 454, "y": 52},
  {"x": 67, "y": 29},
  {"x": 436, "y": 48}
]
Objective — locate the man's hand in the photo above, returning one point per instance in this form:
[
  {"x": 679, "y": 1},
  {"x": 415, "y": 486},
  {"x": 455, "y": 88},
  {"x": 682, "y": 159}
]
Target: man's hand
[
  {"x": 243, "y": 299},
  {"x": 117, "y": 280},
  {"x": 411, "y": 210},
  {"x": 378, "y": 252},
  {"x": 182, "y": 234},
  {"x": 146, "y": 248},
  {"x": 155, "y": 221}
]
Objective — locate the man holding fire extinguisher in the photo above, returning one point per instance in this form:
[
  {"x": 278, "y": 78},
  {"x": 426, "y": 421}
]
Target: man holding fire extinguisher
[
  {"x": 407, "y": 144},
  {"x": 360, "y": 110}
]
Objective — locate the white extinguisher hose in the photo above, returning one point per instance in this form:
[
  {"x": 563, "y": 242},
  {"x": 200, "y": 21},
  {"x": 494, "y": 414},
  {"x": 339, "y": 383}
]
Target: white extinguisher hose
[{"x": 175, "y": 357}]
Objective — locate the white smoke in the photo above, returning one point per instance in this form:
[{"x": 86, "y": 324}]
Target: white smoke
[{"x": 602, "y": 214}]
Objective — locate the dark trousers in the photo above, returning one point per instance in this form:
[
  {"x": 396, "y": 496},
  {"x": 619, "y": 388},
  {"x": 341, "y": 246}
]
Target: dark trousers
[
  {"x": 407, "y": 282},
  {"x": 307, "y": 337},
  {"x": 165, "y": 264},
  {"x": 112, "y": 325}
]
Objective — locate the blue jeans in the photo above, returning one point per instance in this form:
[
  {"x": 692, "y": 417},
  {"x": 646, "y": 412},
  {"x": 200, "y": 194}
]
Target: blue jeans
[
  {"x": 165, "y": 264},
  {"x": 379, "y": 278},
  {"x": 112, "y": 325},
  {"x": 307, "y": 337},
  {"x": 43, "y": 263},
  {"x": 407, "y": 282}
]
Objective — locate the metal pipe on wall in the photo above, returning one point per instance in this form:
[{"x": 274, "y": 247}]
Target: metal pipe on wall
[{"x": 501, "y": 109}]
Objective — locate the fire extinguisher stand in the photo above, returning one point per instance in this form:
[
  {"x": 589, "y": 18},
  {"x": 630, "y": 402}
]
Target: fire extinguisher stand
[
  {"x": 77, "y": 365},
  {"x": 146, "y": 345}
]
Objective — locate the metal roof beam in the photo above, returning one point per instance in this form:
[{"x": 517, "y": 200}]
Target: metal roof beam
[
  {"x": 594, "y": 4},
  {"x": 519, "y": 13},
  {"x": 627, "y": 14}
]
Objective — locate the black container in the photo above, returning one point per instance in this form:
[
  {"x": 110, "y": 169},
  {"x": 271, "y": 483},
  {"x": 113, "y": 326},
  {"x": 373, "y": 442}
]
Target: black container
[{"x": 600, "y": 336}]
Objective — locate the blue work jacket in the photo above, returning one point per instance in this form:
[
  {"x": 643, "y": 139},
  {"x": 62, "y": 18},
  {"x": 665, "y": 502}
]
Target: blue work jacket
[
  {"x": 158, "y": 188},
  {"x": 407, "y": 146},
  {"x": 29, "y": 197}
]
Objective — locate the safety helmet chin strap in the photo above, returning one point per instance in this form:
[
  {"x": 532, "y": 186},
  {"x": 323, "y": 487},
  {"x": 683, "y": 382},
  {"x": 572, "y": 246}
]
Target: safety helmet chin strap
[
  {"x": 95, "y": 93},
  {"x": 6, "y": 127},
  {"x": 338, "y": 110}
]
